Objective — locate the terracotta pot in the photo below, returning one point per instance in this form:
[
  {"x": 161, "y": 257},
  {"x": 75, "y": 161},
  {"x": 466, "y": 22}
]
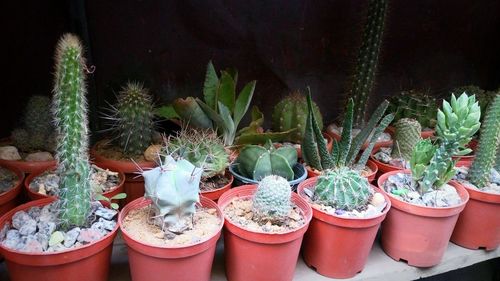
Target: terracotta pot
[
  {"x": 382, "y": 167},
  {"x": 216, "y": 193},
  {"x": 37, "y": 196},
  {"x": 257, "y": 255},
  {"x": 8, "y": 200},
  {"x": 154, "y": 263},
  {"x": 299, "y": 171},
  {"x": 338, "y": 247},
  {"x": 417, "y": 234},
  {"x": 371, "y": 176},
  {"x": 377, "y": 145},
  {"x": 424, "y": 134},
  {"x": 134, "y": 182},
  {"x": 89, "y": 262},
  {"x": 478, "y": 225},
  {"x": 469, "y": 157}
]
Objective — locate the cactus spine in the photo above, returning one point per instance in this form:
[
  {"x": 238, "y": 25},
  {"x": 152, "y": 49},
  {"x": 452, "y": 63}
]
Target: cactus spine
[
  {"x": 70, "y": 116},
  {"x": 271, "y": 201},
  {"x": 407, "y": 135},
  {"x": 367, "y": 60},
  {"x": 488, "y": 146},
  {"x": 291, "y": 113}
]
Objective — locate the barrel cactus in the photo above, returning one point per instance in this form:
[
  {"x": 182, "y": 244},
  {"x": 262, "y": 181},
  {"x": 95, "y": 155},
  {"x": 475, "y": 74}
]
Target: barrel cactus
[
  {"x": 257, "y": 162},
  {"x": 416, "y": 105},
  {"x": 70, "y": 116},
  {"x": 271, "y": 201},
  {"x": 291, "y": 112},
  {"x": 407, "y": 135}
]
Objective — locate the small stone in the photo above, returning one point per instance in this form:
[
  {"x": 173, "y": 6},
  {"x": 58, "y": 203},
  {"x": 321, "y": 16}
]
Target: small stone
[
  {"x": 89, "y": 235},
  {"x": 152, "y": 152},
  {"x": 94, "y": 205},
  {"x": 43, "y": 239},
  {"x": 377, "y": 199},
  {"x": 160, "y": 235},
  {"x": 12, "y": 239},
  {"x": 339, "y": 212},
  {"x": 105, "y": 213},
  {"x": 46, "y": 227},
  {"x": 444, "y": 197},
  {"x": 46, "y": 214},
  {"x": 397, "y": 162},
  {"x": 56, "y": 238},
  {"x": 71, "y": 236},
  {"x": 371, "y": 211},
  {"x": 24, "y": 223},
  {"x": 495, "y": 176},
  {"x": 9, "y": 153},
  {"x": 34, "y": 212},
  {"x": 413, "y": 195},
  {"x": 39, "y": 156},
  {"x": 382, "y": 157},
  {"x": 4, "y": 230},
  {"x": 32, "y": 245}
]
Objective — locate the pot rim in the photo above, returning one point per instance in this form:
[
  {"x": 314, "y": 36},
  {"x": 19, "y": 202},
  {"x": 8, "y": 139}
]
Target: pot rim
[
  {"x": 476, "y": 193},
  {"x": 16, "y": 189},
  {"x": 246, "y": 180},
  {"x": 127, "y": 166}
]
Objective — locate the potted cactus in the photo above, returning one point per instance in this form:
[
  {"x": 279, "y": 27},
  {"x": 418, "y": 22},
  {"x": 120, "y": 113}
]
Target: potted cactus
[
  {"x": 11, "y": 180},
  {"x": 424, "y": 204},
  {"x": 347, "y": 210},
  {"x": 264, "y": 227},
  {"x": 71, "y": 238},
  {"x": 171, "y": 232},
  {"x": 131, "y": 123},
  {"x": 204, "y": 149},
  {"x": 31, "y": 146},
  {"x": 478, "y": 225}
]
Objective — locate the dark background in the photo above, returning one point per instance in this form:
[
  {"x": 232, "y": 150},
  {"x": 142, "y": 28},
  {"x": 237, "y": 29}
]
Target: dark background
[{"x": 285, "y": 45}]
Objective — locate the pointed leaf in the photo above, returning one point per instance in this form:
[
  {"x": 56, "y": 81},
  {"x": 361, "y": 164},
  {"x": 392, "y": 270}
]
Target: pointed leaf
[
  {"x": 167, "y": 111},
  {"x": 210, "y": 86},
  {"x": 226, "y": 91},
  {"x": 243, "y": 102}
]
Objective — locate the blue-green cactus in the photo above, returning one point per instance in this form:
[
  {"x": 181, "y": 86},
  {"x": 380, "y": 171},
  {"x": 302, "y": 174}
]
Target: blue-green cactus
[{"x": 271, "y": 201}]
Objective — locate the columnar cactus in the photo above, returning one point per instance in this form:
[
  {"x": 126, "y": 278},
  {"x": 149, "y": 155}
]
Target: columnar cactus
[
  {"x": 271, "y": 201},
  {"x": 257, "y": 162},
  {"x": 70, "y": 116},
  {"x": 416, "y": 105},
  {"x": 487, "y": 151},
  {"x": 173, "y": 188},
  {"x": 367, "y": 60},
  {"x": 343, "y": 188},
  {"x": 291, "y": 112},
  {"x": 407, "y": 135}
]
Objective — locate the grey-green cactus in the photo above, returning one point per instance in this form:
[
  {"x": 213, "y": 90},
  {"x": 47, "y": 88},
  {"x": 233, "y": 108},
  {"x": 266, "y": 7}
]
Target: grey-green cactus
[
  {"x": 415, "y": 105},
  {"x": 271, "y": 201},
  {"x": 173, "y": 188},
  {"x": 407, "y": 135},
  {"x": 484, "y": 98},
  {"x": 291, "y": 113},
  {"x": 343, "y": 188},
  {"x": 256, "y": 162},
  {"x": 487, "y": 151},
  {"x": 368, "y": 57},
  {"x": 70, "y": 116}
]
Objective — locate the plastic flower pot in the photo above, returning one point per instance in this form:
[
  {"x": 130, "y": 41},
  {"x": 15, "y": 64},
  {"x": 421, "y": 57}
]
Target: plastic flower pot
[
  {"x": 299, "y": 171},
  {"x": 335, "y": 246},
  {"x": 370, "y": 164},
  {"x": 26, "y": 167},
  {"x": 134, "y": 182},
  {"x": 153, "y": 263},
  {"x": 88, "y": 262},
  {"x": 383, "y": 167},
  {"x": 8, "y": 199},
  {"x": 417, "y": 234},
  {"x": 478, "y": 225},
  {"x": 377, "y": 145},
  {"x": 261, "y": 256},
  {"x": 424, "y": 134},
  {"x": 33, "y": 195},
  {"x": 216, "y": 193}
]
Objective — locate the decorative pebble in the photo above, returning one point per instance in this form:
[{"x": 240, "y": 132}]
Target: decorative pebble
[
  {"x": 43, "y": 239},
  {"x": 71, "y": 236},
  {"x": 39, "y": 156},
  {"x": 56, "y": 238},
  {"x": 12, "y": 239},
  {"x": 46, "y": 227},
  {"x": 9, "y": 153},
  {"x": 151, "y": 153},
  {"x": 105, "y": 213},
  {"x": 377, "y": 199},
  {"x": 89, "y": 235},
  {"x": 32, "y": 245}
]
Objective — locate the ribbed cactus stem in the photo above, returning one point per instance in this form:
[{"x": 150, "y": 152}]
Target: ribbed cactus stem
[
  {"x": 272, "y": 199},
  {"x": 70, "y": 116},
  {"x": 407, "y": 135},
  {"x": 487, "y": 150},
  {"x": 368, "y": 57}
]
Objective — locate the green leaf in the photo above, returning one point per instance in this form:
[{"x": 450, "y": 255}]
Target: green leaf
[
  {"x": 210, "y": 86},
  {"x": 56, "y": 238},
  {"x": 243, "y": 102},
  {"x": 190, "y": 112},
  {"x": 167, "y": 112},
  {"x": 255, "y": 124},
  {"x": 230, "y": 128},
  {"x": 119, "y": 196},
  {"x": 213, "y": 115},
  {"x": 114, "y": 206},
  {"x": 100, "y": 197},
  {"x": 226, "y": 91}
]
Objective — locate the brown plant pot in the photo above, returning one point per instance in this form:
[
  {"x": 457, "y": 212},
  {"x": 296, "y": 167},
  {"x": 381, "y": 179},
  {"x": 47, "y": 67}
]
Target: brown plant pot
[
  {"x": 153, "y": 263},
  {"x": 9, "y": 199},
  {"x": 216, "y": 193},
  {"x": 377, "y": 145},
  {"x": 371, "y": 176},
  {"x": 89, "y": 262},
  {"x": 478, "y": 225},
  {"x": 261, "y": 256},
  {"x": 382, "y": 167},
  {"x": 338, "y": 247},
  {"x": 134, "y": 182},
  {"x": 417, "y": 234}
]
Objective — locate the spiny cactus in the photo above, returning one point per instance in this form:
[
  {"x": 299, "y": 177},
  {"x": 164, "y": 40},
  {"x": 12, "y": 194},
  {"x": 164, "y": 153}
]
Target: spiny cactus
[
  {"x": 257, "y": 162},
  {"x": 456, "y": 125},
  {"x": 344, "y": 153},
  {"x": 271, "y": 201},
  {"x": 368, "y": 57},
  {"x": 416, "y": 105},
  {"x": 487, "y": 151},
  {"x": 407, "y": 135},
  {"x": 291, "y": 112},
  {"x": 343, "y": 188},
  {"x": 70, "y": 116},
  {"x": 173, "y": 188},
  {"x": 132, "y": 119},
  {"x": 202, "y": 148}
]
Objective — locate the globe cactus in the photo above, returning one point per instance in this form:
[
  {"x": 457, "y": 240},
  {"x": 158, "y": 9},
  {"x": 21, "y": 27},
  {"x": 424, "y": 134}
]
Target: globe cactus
[
  {"x": 407, "y": 135},
  {"x": 271, "y": 201}
]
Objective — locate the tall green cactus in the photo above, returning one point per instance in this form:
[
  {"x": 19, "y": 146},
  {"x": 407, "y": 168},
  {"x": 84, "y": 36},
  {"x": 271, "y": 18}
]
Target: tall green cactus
[
  {"x": 368, "y": 57},
  {"x": 70, "y": 116},
  {"x": 487, "y": 151},
  {"x": 271, "y": 201},
  {"x": 407, "y": 135}
]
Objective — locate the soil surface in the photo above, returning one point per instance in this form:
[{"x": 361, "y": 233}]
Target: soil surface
[
  {"x": 213, "y": 183},
  {"x": 8, "y": 180},
  {"x": 205, "y": 224},
  {"x": 108, "y": 150}
]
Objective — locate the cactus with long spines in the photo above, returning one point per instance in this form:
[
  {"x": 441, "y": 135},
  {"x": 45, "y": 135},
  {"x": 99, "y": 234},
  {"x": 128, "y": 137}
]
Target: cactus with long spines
[
  {"x": 407, "y": 135},
  {"x": 368, "y": 58},
  {"x": 173, "y": 188},
  {"x": 70, "y": 116},
  {"x": 487, "y": 151},
  {"x": 271, "y": 201},
  {"x": 415, "y": 105},
  {"x": 291, "y": 113}
]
